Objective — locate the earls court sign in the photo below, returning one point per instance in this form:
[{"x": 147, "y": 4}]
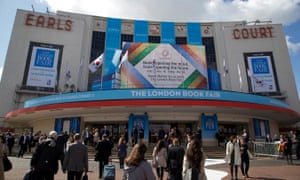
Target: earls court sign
[
  {"x": 253, "y": 32},
  {"x": 48, "y": 22}
]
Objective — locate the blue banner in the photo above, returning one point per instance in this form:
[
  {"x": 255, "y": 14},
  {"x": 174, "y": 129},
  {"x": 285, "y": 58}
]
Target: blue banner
[
  {"x": 140, "y": 123},
  {"x": 113, "y": 43},
  {"x": 209, "y": 126},
  {"x": 168, "y": 32},
  {"x": 140, "y": 31},
  {"x": 152, "y": 94},
  {"x": 214, "y": 79},
  {"x": 194, "y": 33},
  {"x": 74, "y": 125}
]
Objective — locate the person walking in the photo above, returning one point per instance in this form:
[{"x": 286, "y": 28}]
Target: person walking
[
  {"x": 10, "y": 142},
  {"x": 86, "y": 135},
  {"x": 136, "y": 166},
  {"x": 23, "y": 142},
  {"x": 76, "y": 159},
  {"x": 122, "y": 151},
  {"x": 233, "y": 156},
  {"x": 3, "y": 151},
  {"x": 45, "y": 159},
  {"x": 175, "y": 160},
  {"x": 245, "y": 159},
  {"x": 160, "y": 157},
  {"x": 288, "y": 144},
  {"x": 103, "y": 152},
  {"x": 193, "y": 162}
]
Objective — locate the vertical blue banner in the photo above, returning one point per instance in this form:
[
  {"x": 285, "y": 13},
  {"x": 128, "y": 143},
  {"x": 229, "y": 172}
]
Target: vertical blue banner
[
  {"x": 256, "y": 128},
  {"x": 214, "y": 79},
  {"x": 58, "y": 127},
  {"x": 140, "y": 31},
  {"x": 112, "y": 43},
  {"x": 194, "y": 34},
  {"x": 209, "y": 126},
  {"x": 168, "y": 32},
  {"x": 141, "y": 122},
  {"x": 74, "y": 124}
]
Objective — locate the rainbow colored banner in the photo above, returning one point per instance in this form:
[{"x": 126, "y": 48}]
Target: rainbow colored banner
[{"x": 150, "y": 65}]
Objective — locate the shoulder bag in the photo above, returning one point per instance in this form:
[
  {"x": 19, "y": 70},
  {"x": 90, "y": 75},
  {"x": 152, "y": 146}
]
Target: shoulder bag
[{"x": 6, "y": 163}]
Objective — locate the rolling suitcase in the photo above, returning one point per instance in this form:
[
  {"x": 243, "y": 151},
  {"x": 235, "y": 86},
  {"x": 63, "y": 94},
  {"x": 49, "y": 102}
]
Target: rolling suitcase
[{"x": 109, "y": 172}]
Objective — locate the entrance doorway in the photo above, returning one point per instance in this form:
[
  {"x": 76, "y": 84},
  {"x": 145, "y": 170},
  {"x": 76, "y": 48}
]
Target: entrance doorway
[{"x": 115, "y": 130}]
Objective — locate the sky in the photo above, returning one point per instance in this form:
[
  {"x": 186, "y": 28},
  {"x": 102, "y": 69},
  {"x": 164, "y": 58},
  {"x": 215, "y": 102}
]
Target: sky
[{"x": 285, "y": 12}]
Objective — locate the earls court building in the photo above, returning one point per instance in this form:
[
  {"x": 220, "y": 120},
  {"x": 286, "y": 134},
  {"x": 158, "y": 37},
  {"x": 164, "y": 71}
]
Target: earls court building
[{"x": 68, "y": 71}]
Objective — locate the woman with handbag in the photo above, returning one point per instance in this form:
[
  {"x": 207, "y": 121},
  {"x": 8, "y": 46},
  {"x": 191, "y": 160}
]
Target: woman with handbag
[
  {"x": 233, "y": 156},
  {"x": 159, "y": 156}
]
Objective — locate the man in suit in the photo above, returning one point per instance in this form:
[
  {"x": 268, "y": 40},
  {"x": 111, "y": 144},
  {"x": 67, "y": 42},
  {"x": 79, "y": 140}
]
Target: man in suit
[
  {"x": 76, "y": 159},
  {"x": 23, "y": 142},
  {"x": 86, "y": 135},
  {"x": 103, "y": 149}
]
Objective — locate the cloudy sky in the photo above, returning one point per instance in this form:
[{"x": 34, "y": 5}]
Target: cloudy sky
[{"x": 286, "y": 12}]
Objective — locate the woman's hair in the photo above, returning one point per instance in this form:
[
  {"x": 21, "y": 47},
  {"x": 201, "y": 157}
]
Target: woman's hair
[
  {"x": 159, "y": 145},
  {"x": 2, "y": 138},
  {"x": 121, "y": 140},
  {"x": 175, "y": 141},
  {"x": 136, "y": 155},
  {"x": 194, "y": 153}
]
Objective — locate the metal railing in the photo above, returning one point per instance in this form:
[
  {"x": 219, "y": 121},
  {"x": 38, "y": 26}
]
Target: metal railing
[{"x": 264, "y": 149}]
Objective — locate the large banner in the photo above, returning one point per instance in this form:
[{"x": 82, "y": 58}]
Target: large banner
[
  {"x": 42, "y": 68},
  {"x": 260, "y": 70},
  {"x": 149, "y": 65},
  {"x": 138, "y": 128}
]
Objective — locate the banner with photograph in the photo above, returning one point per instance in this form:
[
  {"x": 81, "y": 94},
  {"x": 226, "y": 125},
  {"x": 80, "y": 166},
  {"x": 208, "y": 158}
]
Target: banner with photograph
[
  {"x": 260, "y": 70},
  {"x": 150, "y": 65}
]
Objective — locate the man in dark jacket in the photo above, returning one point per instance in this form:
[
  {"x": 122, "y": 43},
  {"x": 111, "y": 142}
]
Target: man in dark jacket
[
  {"x": 45, "y": 159},
  {"x": 23, "y": 142},
  {"x": 175, "y": 160},
  {"x": 103, "y": 151},
  {"x": 76, "y": 160}
]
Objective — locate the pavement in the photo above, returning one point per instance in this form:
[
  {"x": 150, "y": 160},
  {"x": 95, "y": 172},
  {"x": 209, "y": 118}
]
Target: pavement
[{"x": 261, "y": 168}]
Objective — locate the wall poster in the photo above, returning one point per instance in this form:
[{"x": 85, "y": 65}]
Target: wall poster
[
  {"x": 261, "y": 72},
  {"x": 42, "y": 67}
]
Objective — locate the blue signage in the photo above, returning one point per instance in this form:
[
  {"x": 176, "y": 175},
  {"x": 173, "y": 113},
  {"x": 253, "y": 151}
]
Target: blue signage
[
  {"x": 152, "y": 94},
  {"x": 44, "y": 58}
]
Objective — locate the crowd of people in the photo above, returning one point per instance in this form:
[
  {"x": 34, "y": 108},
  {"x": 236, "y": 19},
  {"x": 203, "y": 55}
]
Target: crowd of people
[{"x": 182, "y": 157}]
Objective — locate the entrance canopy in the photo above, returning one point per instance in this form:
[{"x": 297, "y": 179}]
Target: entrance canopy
[{"x": 154, "y": 100}]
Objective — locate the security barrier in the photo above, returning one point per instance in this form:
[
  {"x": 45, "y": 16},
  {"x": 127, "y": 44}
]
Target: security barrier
[{"x": 265, "y": 149}]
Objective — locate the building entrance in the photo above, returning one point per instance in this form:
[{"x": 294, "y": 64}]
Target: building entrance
[
  {"x": 159, "y": 130},
  {"x": 228, "y": 129},
  {"x": 115, "y": 130}
]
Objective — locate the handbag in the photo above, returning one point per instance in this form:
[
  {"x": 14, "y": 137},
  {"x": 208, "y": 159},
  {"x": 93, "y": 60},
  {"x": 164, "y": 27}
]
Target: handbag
[
  {"x": 6, "y": 163},
  {"x": 29, "y": 175},
  {"x": 249, "y": 154},
  {"x": 154, "y": 163},
  {"x": 85, "y": 177},
  {"x": 191, "y": 174}
]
